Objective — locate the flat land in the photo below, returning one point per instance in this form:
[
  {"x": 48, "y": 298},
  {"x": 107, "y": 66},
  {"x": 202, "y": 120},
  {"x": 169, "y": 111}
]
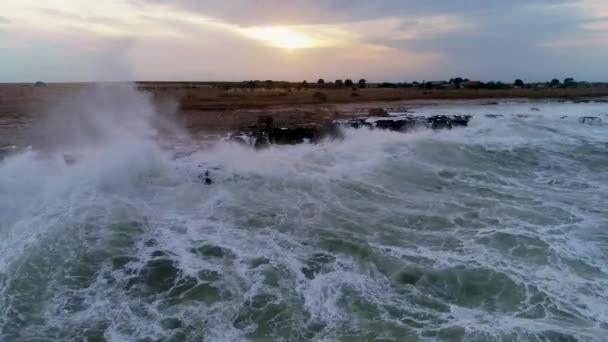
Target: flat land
[{"x": 203, "y": 107}]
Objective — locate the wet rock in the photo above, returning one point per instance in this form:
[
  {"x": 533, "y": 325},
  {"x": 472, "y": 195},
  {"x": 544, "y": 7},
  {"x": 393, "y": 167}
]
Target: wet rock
[
  {"x": 392, "y": 125},
  {"x": 379, "y": 112},
  {"x": 265, "y": 134},
  {"x": 440, "y": 122},
  {"x": 460, "y": 120},
  {"x": 590, "y": 120},
  {"x": 358, "y": 123},
  {"x": 534, "y": 109},
  {"x": 292, "y": 136}
]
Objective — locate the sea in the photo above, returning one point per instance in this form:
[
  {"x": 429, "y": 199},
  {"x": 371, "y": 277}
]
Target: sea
[{"x": 493, "y": 232}]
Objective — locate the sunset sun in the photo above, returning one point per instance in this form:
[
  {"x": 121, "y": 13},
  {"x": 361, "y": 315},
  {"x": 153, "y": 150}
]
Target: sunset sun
[{"x": 282, "y": 37}]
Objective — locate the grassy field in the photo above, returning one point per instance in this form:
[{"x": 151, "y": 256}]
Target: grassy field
[{"x": 195, "y": 96}]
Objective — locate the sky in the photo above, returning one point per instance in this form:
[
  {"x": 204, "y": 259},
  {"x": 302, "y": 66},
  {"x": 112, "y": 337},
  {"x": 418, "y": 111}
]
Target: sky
[{"x": 235, "y": 40}]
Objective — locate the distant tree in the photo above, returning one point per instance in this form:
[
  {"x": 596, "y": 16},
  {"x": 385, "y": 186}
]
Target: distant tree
[
  {"x": 466, "y": 80},
  {"x": 250, "y": 84},
  {"x": 304, "y": 84},
  {"x": 518, "y": 83},
  {"x": 554, "y": 82},
  {"x": 321, "y": 81},
  {"x": 456, "y": 81},
  {"x": 428, "y": 85},
  {"x": 494, "y": 85},
  {"x": 387, "y": 85},
  {"x": 339, "y": 83},
  {"x": 568, "y": 82},
  {"x": 269, "y": 84},
  {"x": 362, "y": 83},
  {"x": 348, "y": 82}
]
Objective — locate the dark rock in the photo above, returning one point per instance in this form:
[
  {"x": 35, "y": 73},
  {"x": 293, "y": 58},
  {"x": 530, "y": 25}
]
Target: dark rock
[
  {"x": 265, "y": 134},
  {"x": 399, "y": 125},
  {"x": 493, "y": 116},
  {"x": 358, "y": 123},
  {"x": 590, "y": 120},
  {"x": 440, "y": 122},
  {"x": 379, "y": 112},
  {"x": 292, "y": 136},
  {"x": 261, "y": 142},
  {"x": 534, "y": 109},
  {"x": 461, "y": 120}
]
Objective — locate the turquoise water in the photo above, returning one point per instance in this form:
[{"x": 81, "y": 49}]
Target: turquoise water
[{"x": 495, "y": 232}]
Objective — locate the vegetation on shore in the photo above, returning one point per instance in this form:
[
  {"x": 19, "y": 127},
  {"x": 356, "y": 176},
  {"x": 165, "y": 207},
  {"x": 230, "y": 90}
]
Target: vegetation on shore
[{"x": 453, "y": 83}]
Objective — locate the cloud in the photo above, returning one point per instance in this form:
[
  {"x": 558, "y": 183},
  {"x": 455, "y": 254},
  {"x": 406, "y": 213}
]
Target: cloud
[
  {"x": 4, "y": 20},
  {"x": 238, "y": 39},
  {"x": 251, "y": 13}
]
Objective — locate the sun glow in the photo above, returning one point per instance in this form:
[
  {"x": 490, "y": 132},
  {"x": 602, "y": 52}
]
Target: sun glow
[{"x": 282, "y": 37}]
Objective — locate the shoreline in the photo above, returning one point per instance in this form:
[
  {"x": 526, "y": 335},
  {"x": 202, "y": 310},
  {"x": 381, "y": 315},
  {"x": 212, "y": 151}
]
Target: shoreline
[{"x": 211, "y": 110}]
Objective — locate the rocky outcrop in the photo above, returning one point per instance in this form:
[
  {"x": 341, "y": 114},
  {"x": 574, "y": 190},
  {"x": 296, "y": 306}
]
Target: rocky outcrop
[
  {"x": 406, "y": 123},
  {"x": 265, "y": 133}
]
